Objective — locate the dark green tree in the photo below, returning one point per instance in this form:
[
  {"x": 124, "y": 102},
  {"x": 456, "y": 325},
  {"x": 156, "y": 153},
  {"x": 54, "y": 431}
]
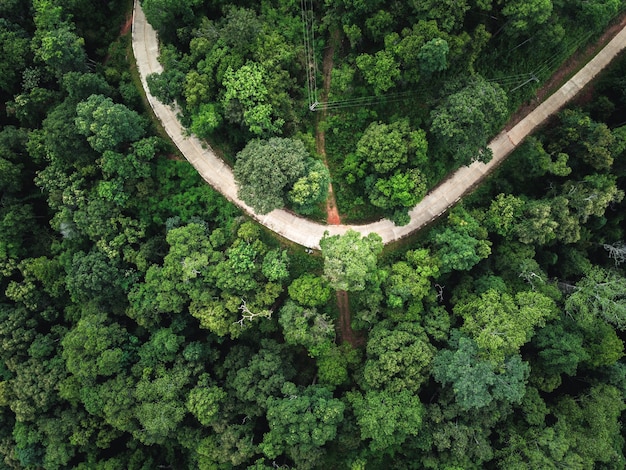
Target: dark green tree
[
  {"x": 465, "y": 121},
  {"x": 266, "y": 170},
  {"x": 107, "y": 124}
]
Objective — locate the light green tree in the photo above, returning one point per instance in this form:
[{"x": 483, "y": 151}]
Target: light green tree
[
  {"x": 246, "y": 100},
  {"x": 387, "y": 418},
  {"x": 349, "y": 260},
  {"x": 380, "y": 70},
  {"x": 501, "y": 323}
]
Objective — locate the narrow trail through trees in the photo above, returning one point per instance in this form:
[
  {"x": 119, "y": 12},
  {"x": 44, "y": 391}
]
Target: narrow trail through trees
[
  {"x": 332, "y": 212},
  {"x": 437, "y": 201},
  {"x": 343, "y": 302}
]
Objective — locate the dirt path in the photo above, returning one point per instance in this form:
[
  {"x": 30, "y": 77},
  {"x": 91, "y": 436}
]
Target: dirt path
[
  {"x": 332, "y": 217},
  {"x": 345, "y": 328},
  {"x": 126, "y": 26},
  {"x": 307, "y": 233}
]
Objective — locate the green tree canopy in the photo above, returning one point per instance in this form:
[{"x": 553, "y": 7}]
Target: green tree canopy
[
  {"x": 310, "y": 290},
  {"x": 349, "y": 260},
  {"x": 387, "y": 418},
  {"x": 398, "y": 357},
  {"x": 500, "y": 323},
  {"x": 387, "y": 146},
  {"x": 477, "y": 382},
  {"x": 107, "y": 124},
  {"x": 307, "y": 327},
  {"x": 246, "y": 100},
  {"x": 599, "y": 294},
  {"x": 301, "y": 423},
  {"x": 465, "y": 121},
  {"x": 266, "y": 170}
]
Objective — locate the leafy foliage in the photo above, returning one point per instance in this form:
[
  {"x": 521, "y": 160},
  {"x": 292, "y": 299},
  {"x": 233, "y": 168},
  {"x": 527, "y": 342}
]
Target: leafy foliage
[{"x": 144, "y": 323}]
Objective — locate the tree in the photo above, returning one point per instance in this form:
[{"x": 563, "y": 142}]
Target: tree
[
  {"x": 387, "y": 418},
  {"x": 599, "y": 294},
  {"x": 592, "y": 195},
  {"x": 599, "y": 13},
  {"x": 240, "y": 28},
  {"x": 590, "y": 140},
  {"x": 475, "y": 381},
  {"x": 160, "y": 403},
  {"x": 310, "y": 290},
  {"x": 310, "y": 189},
  {"x": 80, "y": 86},
  {"x": 56, "y": 44},
  {"x": 205, "y": 400},
  {"x": 449, "y": 13},
  {"x": 276, "y": 265},
  {"x": 398, "y": 357},
  {"x": 206, "y": 120},
  {"x": 409, "y": 281},
  {"x": 265, "y": 170},
  {"x": 433, "y": 56},
  {"x": 537, "y": 225},
  {"x": 504, "y": 213},
  {"x": 585, "y": 434},
  {"x": 465, "y": 121},
  {"x": 95, "y": 348},
  {"x": 301, "y": 423},
  {"x": 399, "y": 192},
  {"x": 560, "y": 348},
  {"x": 307, "y": 327},
  {"x": 14, "y": 50},
  {"x": 254, "y": 378},
  {"x": 92, "y": 276},
  {"x": 167, "y": 15},
  {"x": 246, "y": 100},
  {"x": 380, "y": 70},
  {"x": 500, "y": 323},
  {"x": 462, "y": 243},
  {"x": 349, "y": 260},
  {"x": 107, "y": 124},
  {"x": 387, "y": 146},
  {"x": 526, "y": 16}
]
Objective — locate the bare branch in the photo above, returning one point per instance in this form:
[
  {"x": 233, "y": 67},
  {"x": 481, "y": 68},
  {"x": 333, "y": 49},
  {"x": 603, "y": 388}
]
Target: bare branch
[
  {"x": 617, "y": 251},
  {"x": 246, "y": 314}
]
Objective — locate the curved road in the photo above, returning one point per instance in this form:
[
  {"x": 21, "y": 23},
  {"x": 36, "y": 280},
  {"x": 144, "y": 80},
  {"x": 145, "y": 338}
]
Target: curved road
[{"x": 307, "y": 233}]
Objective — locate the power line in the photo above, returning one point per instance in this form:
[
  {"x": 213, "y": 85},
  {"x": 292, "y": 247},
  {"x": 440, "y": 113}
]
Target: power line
[{"x": 308, "y": 18}]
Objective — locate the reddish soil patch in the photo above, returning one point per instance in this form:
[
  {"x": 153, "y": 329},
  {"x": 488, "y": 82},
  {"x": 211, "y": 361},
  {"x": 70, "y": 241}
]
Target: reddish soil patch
[
  {"x": 127, "y": 25},
  {"x": 332, "y": 217},
  {"x": 569, "y": 67},
  {"x": 345, "y": 328}
]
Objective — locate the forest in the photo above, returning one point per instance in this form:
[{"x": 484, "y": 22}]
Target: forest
[{"x": 147, "y": 323}]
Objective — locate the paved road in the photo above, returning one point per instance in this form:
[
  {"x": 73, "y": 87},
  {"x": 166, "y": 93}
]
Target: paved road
[{"x": 307, "y": 233}]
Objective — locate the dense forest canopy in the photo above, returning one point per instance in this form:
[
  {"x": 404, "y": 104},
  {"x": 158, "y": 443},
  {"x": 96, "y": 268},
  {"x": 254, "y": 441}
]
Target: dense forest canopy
[
  {"x": 146, "y": 323},
  {"x": 422, "y": 85}
]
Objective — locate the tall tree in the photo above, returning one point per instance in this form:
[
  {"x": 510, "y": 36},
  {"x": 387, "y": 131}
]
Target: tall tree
[
  {"x": 301, "y": 422},
  {"x": 349, "y": 260},
  {"x": 477, "y": 382},
  {"x": 465, "y": 121},
  {"x": 599, "y": 294},
  {"x": 500, "y": 323},
  {"x": 107, "y": 124},
  {"x": 398, "y": 357},
  {"x": 266, "y": 169}
]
